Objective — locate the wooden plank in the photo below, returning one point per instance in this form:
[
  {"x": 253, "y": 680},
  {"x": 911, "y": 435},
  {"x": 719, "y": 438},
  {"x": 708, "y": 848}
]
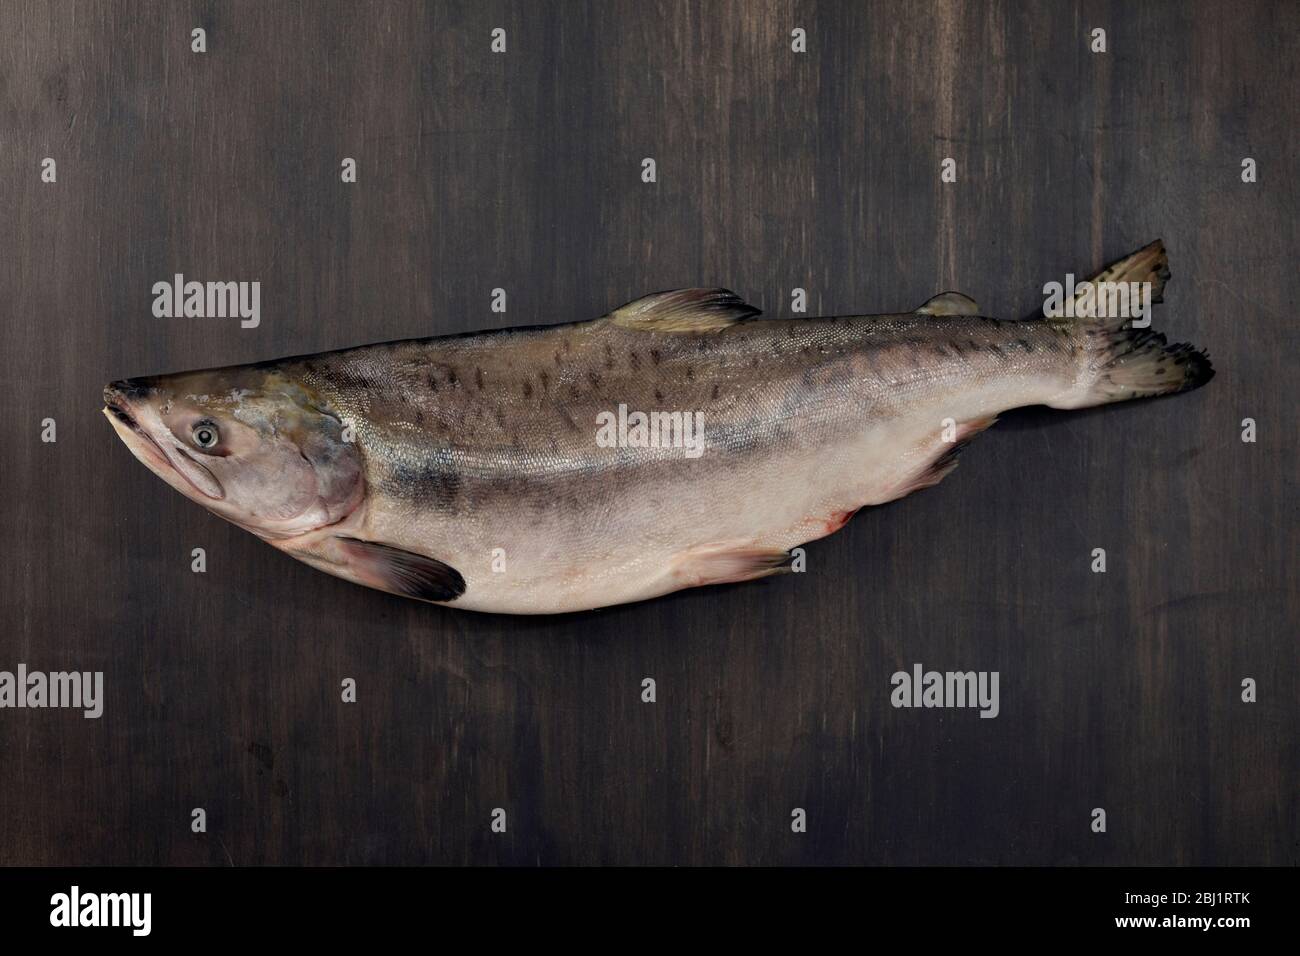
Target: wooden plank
[{"x": 776, "y": 170}]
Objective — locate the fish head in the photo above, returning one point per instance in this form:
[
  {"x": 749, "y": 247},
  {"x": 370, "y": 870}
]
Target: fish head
[{"x": 249, "y": 444}]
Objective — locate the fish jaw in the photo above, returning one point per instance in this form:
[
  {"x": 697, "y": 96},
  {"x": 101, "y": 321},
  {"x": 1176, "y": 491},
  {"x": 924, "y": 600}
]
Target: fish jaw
[{"x": 190, "y": 478}]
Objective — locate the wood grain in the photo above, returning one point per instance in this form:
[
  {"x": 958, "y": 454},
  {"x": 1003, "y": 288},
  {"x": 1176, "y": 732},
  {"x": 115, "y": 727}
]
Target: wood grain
[{"x": 776, "y": 170}]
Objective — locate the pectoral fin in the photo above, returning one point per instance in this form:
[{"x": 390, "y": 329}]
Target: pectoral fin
[{"x": 400, "y": 572}]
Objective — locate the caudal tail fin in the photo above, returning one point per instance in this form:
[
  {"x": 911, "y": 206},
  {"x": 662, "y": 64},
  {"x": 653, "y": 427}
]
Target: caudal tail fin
[{"x": 1120, "y": 361}]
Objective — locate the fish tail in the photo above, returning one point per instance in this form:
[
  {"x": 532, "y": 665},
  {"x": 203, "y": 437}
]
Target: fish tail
[
  {"x": 1118, "y": 361},
  {"x": 1139, "y": 363}
]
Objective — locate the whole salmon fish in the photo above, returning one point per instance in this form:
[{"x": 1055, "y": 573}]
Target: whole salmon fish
[{"x": 676, "y": 442}]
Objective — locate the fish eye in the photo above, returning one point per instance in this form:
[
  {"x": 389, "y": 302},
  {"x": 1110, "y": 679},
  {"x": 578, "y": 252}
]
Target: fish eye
[{"x": 205, "y": 434}]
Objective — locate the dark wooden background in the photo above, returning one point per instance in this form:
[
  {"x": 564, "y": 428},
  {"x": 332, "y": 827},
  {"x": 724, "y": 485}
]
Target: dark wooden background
[{"x": 776, "y": 170}]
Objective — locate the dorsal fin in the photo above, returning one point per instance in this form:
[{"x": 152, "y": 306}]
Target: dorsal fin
[
  {"x": 950, "y": 303},
  {"x": 684, "y": 310}
]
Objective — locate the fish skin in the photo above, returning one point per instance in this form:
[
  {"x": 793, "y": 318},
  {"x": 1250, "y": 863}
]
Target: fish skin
[{"x": 481, "y": 447}]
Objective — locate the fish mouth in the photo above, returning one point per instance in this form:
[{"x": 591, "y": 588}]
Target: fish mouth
[{"x": 120, "y": 401}]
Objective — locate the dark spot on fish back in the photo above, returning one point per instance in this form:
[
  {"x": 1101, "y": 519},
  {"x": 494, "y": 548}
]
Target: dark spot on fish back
[
  {"x": 528, "y": 389},
  {"x": 478, "y": 378}
]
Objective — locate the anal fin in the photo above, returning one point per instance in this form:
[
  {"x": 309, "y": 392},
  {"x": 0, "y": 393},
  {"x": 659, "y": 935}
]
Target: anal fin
[{"x": 728, "y": 563}]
